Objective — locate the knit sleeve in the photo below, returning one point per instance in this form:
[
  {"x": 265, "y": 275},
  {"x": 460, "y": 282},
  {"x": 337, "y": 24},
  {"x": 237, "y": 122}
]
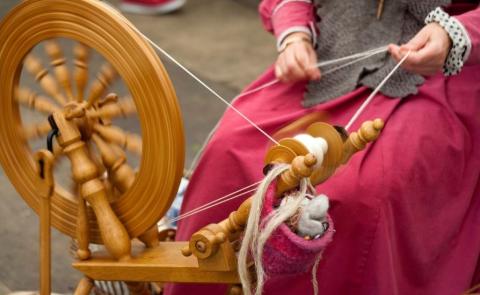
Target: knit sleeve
[
  {"x": 471, "y": 23},
  {"x": 282, "y": 17},
  {"x": 286, "y": 252}
]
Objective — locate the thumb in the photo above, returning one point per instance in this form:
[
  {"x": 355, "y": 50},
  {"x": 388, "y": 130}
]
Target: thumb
[{"x": 417, "y": 42}]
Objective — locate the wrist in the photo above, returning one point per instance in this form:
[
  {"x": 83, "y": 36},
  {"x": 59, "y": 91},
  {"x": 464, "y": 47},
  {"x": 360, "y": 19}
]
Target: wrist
[
  {"x": 459, "y": 40},
  {"x": 295, "y": 37}
]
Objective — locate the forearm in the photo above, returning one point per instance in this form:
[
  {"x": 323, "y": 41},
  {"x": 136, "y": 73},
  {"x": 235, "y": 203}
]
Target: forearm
[{"x": 283, "y": 17}]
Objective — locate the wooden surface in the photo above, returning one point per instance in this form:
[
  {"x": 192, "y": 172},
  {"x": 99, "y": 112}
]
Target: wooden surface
[{"x": 164, "y": 263}]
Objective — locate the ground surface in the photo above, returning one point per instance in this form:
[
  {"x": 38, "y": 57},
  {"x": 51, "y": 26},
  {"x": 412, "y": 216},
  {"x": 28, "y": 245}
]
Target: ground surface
[{"x": 221, "y": 41}]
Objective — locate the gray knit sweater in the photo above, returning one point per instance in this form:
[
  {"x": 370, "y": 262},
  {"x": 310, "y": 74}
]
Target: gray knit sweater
[{"x": 351, "y": 26}]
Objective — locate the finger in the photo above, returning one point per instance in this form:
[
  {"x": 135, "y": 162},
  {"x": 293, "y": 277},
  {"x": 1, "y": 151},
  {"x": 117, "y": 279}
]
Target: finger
[
  {"x": 425, "y": 57},
  {"x": 294, "y": 70},
  {"x": 304, "y": 60},
  {"x": 394, "y": 51},
  {"x": 312, "y": 70},
  {"x": 417, "y": 42},
  {"x": 278, "y": 70},
  {"x": 282, "y": 68}
]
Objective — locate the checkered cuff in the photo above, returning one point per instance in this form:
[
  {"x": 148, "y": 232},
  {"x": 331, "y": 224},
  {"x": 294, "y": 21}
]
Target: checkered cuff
[{"x": 461, "y": 44}]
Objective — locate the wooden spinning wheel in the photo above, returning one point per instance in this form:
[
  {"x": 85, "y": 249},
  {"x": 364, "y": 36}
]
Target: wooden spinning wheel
[{"x": 95, "y": 27}]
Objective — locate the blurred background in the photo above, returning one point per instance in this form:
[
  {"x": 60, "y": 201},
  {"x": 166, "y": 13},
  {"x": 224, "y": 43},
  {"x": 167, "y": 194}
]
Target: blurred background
[{"x": 222, "y": 41}]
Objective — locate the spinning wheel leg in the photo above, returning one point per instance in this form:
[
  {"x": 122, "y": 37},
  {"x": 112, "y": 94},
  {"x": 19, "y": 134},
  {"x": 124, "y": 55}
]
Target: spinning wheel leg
[
  {"x": 45, "y": 161},
  {"x": 235, "y": 290},
  {"x": 138, "y": 288},
  {"x": 82, "y": 231},
  {"x": 150, "y": 237},
  {"x": 84, "y": 287}
]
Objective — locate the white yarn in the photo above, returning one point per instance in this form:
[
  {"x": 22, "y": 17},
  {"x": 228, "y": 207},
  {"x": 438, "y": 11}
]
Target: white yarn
[
  {"x": 256, "y": 236},
  {"x": 375, "y": 91},
  {"x": 315, "y": 145},
  {"x": 249, "y": 241},
  {"x": 272, "y": 222},
  {"x": 314, "y": 274}
]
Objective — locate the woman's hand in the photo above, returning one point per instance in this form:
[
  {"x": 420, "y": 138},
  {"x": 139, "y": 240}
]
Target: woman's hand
[
  {"x": 297, "y": 61},
  {"x": 429, "y": 50}
]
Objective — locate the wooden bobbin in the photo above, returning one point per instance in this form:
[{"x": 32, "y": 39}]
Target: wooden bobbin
[{"x": 288, "y": 148}]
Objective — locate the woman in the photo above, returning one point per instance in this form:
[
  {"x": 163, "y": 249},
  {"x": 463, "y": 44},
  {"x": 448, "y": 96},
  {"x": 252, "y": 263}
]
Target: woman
[{"x": 405, "y": 210}]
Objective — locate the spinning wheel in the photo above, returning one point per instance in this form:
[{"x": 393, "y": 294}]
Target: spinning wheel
[{"x": 94, "y": 26}]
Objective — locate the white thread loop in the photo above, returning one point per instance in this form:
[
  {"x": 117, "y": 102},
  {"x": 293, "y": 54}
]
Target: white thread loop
[
  {"x": 231, "y": 196},
  {"x": 372, "y": 95}
]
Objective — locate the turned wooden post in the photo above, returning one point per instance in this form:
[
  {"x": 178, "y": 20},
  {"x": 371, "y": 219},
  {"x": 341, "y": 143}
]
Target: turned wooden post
[
  {"x": 83, "y": 231},
  {"x": 357, "y": 141},
  {"x": 123, "y": 176},
  {"x": 84, "y": 286},
  {"x": 45, "y": 161},
  {"x": 85, "y": 173},
  {"x": 301, "y": 167}
]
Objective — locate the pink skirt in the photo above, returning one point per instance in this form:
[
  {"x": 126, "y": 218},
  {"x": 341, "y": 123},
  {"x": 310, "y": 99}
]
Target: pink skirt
[{"x": 406, "y": 210}]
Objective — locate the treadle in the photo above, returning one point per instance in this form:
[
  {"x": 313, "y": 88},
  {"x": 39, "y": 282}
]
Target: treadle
[{"x": 164, "y": 263}]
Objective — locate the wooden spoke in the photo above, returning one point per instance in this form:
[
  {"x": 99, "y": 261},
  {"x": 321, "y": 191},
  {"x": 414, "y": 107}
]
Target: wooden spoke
[
  {"x": 34, "y": 101},
  {"x": 35, "y": 67},
  {"x": 129, "y": 141},
  {"x": 82, "y": 55},
  {"x": 36, "y": 130},
  {"x": 122, "y": 108},
  {"x": 54, "y": 51},
  {"x": 104, "y": 79}
]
